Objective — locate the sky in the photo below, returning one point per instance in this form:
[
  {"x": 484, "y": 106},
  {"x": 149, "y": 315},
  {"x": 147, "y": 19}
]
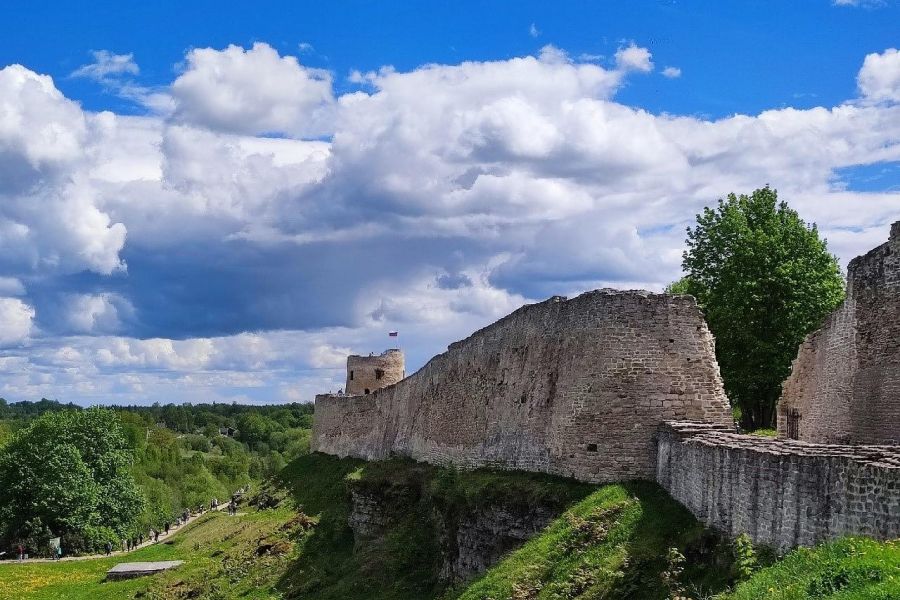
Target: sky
[{"x": 202, "y": 202}]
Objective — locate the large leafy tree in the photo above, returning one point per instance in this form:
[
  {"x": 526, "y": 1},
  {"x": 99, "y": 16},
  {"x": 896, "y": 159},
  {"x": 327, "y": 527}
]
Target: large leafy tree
[
  {"x": 765, "y": 279},
  {"x": 69, "y": 473}
]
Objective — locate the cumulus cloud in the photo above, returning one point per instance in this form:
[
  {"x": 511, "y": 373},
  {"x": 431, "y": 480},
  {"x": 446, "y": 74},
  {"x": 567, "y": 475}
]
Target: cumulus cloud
[
  {"x": 879, "y": 77},
  {"x": 253, "y": 91},
  {"x": 96, "y": 313},
  {"x": 191, "y": 256},
  {"x": 634, "y": 58},
  {"x": 16, "y": 320},
  {"x": 50, "y": 214}
]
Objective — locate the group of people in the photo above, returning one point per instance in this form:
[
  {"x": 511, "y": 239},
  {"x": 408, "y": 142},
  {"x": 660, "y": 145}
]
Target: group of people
[
  {"x": 56, "y": 552},
  {"x": 183, "y": 518},
  {"x": 135, "y": 542}
]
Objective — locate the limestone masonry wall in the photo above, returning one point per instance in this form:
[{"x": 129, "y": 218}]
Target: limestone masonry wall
[
  {"x": 782, "y": 493},
  {"x": 573, "y": 387},
  {"x": 845, "y": 382}
]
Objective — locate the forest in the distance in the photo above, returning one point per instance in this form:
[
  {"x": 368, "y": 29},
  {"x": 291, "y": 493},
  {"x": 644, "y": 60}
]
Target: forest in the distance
[{"x": 95, "y": 475}]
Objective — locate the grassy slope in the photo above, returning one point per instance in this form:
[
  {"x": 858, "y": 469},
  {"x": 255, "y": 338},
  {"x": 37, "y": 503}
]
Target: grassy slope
[
  {"x": 610, "y": 545},
  {"x": 405, "y": 564},
  {"x": 613, "y": 538},
  {"x": 847, "y": 569},
  {"x": 220, "y": 562}
]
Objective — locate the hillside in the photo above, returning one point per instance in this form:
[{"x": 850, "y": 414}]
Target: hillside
[
  {"x": 322, "y": 537},
  {"x": 612, "y": 540},
  {"x": 225, "y": 557}
]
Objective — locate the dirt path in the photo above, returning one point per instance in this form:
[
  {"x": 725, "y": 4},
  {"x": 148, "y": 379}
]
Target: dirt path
[{"x": 162, "y": 537}]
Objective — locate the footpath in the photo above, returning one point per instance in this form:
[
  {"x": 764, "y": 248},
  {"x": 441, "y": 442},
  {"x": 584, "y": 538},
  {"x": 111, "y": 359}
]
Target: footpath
[{"x": 162, "y": 537}]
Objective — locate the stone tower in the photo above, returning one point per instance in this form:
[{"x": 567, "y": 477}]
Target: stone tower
[{"x": 366, "y": 374}]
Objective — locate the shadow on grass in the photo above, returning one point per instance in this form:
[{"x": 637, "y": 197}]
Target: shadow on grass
[
  {"x": 418, "y": 504},
  {"x": 664, "y": 524}
]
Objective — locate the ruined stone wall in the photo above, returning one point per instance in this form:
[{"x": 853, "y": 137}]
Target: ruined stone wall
[
  {"x": 783, "y": 493},
  {"x": 845, "y": 381},
  {"x": 572, "y": 387},
  {"x": 374, "y": 372}
]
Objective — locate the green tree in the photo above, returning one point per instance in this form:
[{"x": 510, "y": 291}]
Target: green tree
[
  {"x": 765, "y": 279},
  {"x": 69, "y": 471}
]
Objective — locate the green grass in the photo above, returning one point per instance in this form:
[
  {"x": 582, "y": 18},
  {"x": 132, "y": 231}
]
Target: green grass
[
  {"x": 221, "y": 561},
  {"x": 612, "y": 540},
  {"x": 405, "y": 563},
  {"x": 612, "y": 544},
  {"x": 846, "y": 569},
  {"x": 765, "y": 432}
]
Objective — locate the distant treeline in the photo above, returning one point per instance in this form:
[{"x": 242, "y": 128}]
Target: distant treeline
[{"x": 105, "y": 474}]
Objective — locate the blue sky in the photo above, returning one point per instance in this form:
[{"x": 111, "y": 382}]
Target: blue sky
[
  {"x": 199, "y": 203},
  {"x": 740, "y": 56}
]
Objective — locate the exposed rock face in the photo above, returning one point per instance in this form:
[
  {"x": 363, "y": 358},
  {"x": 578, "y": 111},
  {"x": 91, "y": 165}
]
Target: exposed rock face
[
  {"x": 782, "y": 493},
  {"x": 845, "y": 382},
  {"x": 478, "y": 540},
  {"x": 571, "y": 387},
  {"x": 469, "y": 543}
]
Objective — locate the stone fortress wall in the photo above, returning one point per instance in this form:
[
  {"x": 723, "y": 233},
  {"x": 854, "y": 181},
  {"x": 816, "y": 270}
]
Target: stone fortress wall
[
  {"x": 573, "y": 387},
  {"x": 845, "y": 382},
  {"x": 611, "y": 386},
  {"x": 782, "y": 493},
  {"x": 366, "y": 374}
]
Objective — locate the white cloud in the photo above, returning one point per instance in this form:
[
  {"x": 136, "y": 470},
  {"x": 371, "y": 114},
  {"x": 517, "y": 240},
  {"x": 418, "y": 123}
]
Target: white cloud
[
  {"x": 859, "y": 3},
  {"x": 671, "y": 72},
  {"x": 634, "y": 58},
  {"x": 879, "y": 77},
  {"x": 96, "y": 313},
  {"x": 16, "y": 320},
  {"x": 533, "y": 31},
  {"x": 107, "y": 65},
  {"x": 49, "y": 212},
  {"x": 253, "y": 91},
  {"x": 433, "y": 213}
]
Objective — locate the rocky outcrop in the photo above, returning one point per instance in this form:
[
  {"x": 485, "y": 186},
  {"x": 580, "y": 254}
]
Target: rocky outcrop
[
  {"x": 474, "y": 541},
  {"x": 469, "y": 541}
]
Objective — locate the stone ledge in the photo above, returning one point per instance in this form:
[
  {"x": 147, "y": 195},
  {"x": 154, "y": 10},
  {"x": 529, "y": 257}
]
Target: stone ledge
[{"x": 712, "y": 435}]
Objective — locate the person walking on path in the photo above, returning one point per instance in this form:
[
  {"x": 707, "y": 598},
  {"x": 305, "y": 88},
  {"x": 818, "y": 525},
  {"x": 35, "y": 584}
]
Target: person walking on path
[
  {"x": 108, "y": 548},
  {"x": 167, "y": 528},
  {"x": 21, "y": 552},
  {"x": 59, "y": 552},
  {"x": 141, "y": 540}
]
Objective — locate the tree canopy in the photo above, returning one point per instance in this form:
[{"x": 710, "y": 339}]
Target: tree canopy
[
  {"x": 67, "y": 473},
  {"x": 764, "y": 279}
]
